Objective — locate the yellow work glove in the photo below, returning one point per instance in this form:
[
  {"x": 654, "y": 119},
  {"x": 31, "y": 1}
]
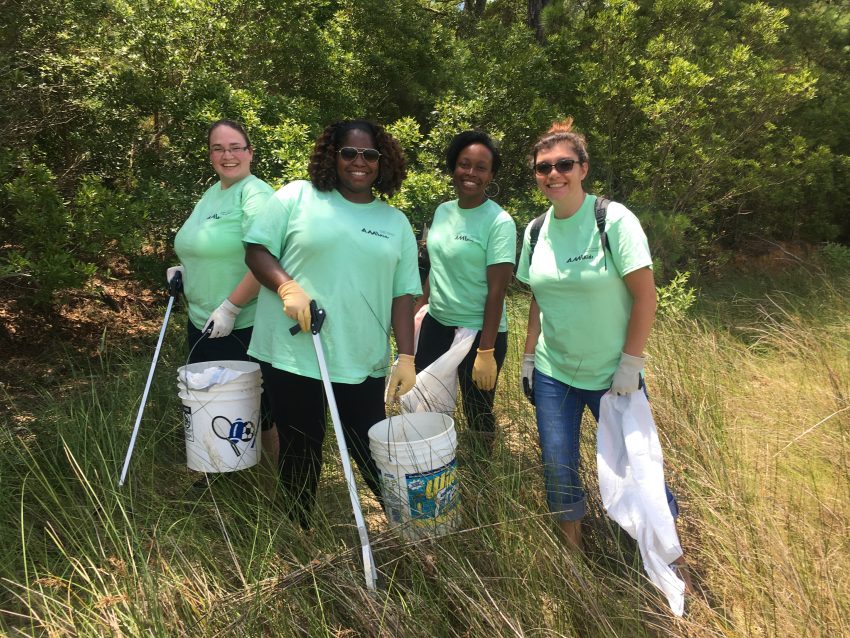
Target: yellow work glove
[
  {"x": 402, "y": 377},
  {"x": 296, "y": 303},
  {"x": 484, "y": 370}
]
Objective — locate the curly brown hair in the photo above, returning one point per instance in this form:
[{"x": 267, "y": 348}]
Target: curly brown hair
[{"x": 392, "y": 165}]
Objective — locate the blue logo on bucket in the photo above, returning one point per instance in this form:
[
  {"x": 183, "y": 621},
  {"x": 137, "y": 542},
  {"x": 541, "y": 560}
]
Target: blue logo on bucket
[
  {"x": 433, "y": 495},
  {"x": 238, "y": 431}
]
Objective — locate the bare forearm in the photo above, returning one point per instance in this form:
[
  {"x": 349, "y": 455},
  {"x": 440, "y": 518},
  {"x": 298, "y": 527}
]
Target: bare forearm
[
  {"x": 402, "y": 321},
  {"x": 422, "y": 299},
  {"x": 640, "y": 325},
  {"x": 498, "y": 277},
  {"x": 641, "y": 285},
  {"x": 245, "y": 290},
  {"x": 492, "y": 317},
  {"x": 265, "y": 267}
]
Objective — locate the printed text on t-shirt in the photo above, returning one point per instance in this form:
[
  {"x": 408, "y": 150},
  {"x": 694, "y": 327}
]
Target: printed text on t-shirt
[{"x": 376, "y": 233}]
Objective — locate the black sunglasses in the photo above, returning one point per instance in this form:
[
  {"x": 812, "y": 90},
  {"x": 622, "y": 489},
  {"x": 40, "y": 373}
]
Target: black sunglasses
[
  {"x": 348, "y": 153},
  {"x": 562, "y": 166}
]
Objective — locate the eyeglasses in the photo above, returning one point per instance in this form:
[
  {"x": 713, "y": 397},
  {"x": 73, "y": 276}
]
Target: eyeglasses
[
  {"x": 562, "y": 166},
  {"x": 348, "y": 153},
  {"x": 234, "y": 150}
]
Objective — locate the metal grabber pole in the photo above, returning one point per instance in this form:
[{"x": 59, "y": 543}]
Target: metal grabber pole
[
  {"x": 174, "y": 288},
  {"x": 317, "y": 318}
]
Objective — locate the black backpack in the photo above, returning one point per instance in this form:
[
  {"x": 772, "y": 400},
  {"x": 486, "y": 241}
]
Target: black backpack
[{"x": 600, "y": 210}]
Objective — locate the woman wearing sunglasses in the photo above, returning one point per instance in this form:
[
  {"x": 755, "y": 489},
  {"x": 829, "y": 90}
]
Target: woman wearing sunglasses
[
  {"x": 472, "y": 249},
  {"x": 590, "y": 317},
  {"x": 330, "y": 239},
  {"x": 220, "y": 290}
]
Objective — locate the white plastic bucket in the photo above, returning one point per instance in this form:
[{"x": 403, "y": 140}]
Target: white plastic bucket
[
  {"x": 415, "y": 454},
  {"x": 222, "y": 421}
]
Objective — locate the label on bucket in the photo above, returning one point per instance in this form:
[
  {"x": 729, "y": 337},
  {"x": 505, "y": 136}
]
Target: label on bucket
[
  {"x": 234, "y": 432},
  {"x": 433, "y": 495},
  {"x": 187, "y": 423}
]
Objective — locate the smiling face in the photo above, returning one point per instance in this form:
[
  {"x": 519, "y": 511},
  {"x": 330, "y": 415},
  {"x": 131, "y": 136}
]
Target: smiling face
[
  {"x": 228, "y": 155},
  {"x": 564, "y": 190},
  {"x": 473, "y": 172},
  {"x": 355, "y": 177}
]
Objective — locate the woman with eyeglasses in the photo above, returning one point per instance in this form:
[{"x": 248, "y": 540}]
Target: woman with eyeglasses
[
  {"x": 472, "y": 249},
  {"x": 332, "y": 240},
  {"x": 221, "y": 292},
  {"x": 591, "y": 312}
]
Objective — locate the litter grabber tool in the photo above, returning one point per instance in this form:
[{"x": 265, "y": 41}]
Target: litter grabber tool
[
  {"x": 317, "y": 318},
  {"x": 175, "y": 287}
]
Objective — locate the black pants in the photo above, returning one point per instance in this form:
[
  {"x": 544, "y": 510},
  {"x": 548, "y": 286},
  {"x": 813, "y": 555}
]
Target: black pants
[
  {"x": 233, "y": 347},
  {"x": 298, "y": 407},
  {"x": 434, "y": 341}
]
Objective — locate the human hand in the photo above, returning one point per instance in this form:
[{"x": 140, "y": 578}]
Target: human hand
[
  {"x": 222, "y": 319},
  {"x": 484, "y": 370},
  {"x": 627, "y": 377},
  {"x": 296, "y": 303},
  {"x": 527, "y": 376},
  {"x": 402, "y": 377},
  {"x": 175, "y": 285}
]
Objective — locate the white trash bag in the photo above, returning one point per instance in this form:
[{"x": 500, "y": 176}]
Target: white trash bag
[
  {"x": 631, "y": 482},
  {"x": 436, "y": 385}
]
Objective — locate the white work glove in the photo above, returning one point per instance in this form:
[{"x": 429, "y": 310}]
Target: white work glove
[
  {"x": 527, "y": 376},
  {"x": 173, "y": 270},
  {"x": 627, "y": 377},
  {"x": 222, "y": 319}
]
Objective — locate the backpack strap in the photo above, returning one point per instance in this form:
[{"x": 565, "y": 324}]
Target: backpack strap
[
  {"x": 534, "y": 234},
  {"x": 600, "y": 210}
]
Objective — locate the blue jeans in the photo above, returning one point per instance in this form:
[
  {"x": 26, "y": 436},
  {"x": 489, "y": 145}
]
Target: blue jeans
[{"x": 559, "y": 410}]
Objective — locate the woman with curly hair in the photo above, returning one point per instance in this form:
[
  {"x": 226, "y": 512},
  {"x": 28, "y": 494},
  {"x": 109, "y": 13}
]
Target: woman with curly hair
[
  {"x": 330, "y": 239},
  {"x": 472, "y": 248}
]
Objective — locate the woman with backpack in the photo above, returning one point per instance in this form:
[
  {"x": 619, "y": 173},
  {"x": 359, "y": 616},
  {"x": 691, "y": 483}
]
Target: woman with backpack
[
  {"x": 593, "y": 305},
  {"x": 472, "y": 249}
]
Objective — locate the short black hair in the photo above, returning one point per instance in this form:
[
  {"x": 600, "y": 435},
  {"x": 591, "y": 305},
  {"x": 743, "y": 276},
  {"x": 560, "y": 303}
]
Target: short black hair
[{"x": 462, "y": 140}]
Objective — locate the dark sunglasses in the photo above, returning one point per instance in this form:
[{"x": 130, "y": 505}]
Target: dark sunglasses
[
  {"x": 562, "y": 166},
  {"x": 348, "y": 153}
]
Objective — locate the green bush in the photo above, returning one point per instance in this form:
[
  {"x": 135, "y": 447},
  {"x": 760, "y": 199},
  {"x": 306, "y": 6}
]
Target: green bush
[{"x": 676, "y": 298}]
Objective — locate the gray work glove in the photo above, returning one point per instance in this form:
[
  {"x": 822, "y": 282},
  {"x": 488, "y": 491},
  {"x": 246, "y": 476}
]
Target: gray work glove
[
  {"x": 627, "y": 377},
  {"x": 175, "y": 286},
  {"x": 527, "y": 376},
  {"x": 221, "y": 320}
]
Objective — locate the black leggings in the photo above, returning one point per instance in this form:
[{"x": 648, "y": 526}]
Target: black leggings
[
  {"x": 233, "y": 347},
  {"x": 434, "y": 341},
  {"x": 298, "y": 407}
]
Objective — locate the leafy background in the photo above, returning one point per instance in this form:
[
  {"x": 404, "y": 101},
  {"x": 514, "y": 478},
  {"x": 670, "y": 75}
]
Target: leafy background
[{"x": 721, "y": 123}]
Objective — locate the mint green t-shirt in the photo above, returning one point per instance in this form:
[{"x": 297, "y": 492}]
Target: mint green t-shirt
[
  {"x": 462, "y": 243},
  {"x": 209, "y": 245},
  {"x": 353, "y": 259},
  {"x": 584, "y": 308}
]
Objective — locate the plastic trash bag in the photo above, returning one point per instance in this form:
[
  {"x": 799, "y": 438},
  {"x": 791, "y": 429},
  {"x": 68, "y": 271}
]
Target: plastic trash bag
[
  {"x": 436, "y": 385},
  {"x": 209, "y": 377},
  {"x": 631, "y": 482}
]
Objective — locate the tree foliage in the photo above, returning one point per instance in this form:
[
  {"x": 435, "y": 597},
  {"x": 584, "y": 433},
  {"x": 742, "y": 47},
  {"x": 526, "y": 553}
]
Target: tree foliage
[{"x": 718, "y": 121}]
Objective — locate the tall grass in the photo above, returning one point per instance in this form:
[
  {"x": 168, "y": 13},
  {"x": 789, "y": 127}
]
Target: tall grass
[{"x": 751, "y": 400}]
